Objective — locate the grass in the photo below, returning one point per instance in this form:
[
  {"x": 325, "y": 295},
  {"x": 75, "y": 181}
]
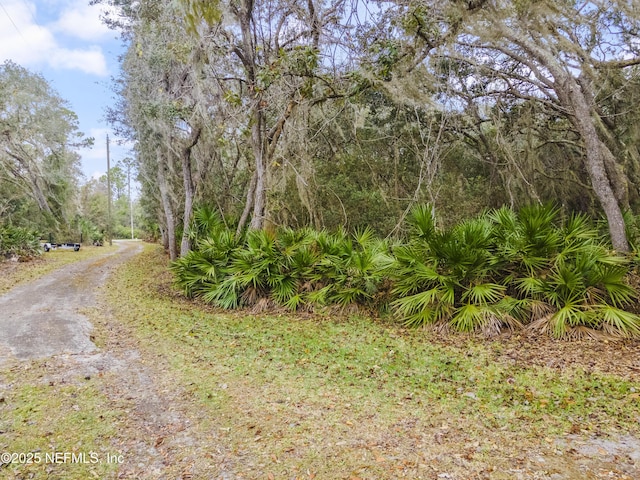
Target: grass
[
  {"x": 43, "y": 419},
  {"x": 328, "y": 396},
  {"x": 13, "y": 274},
  {"x": 280, "y": 397}
]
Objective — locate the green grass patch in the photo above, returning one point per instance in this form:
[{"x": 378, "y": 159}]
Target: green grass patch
[
  {"x": 292, "y": 387},
  {"x": 61, "y": 430}
]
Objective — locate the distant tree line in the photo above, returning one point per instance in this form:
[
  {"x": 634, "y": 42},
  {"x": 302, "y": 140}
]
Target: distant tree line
[
  {"x": 42, "y": 190},
  {"x": 39, "y": 167}
]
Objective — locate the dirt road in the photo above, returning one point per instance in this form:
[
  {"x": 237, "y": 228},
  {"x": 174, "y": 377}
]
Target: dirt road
[
  {"x": 44, "y": 318},
  {"x": 45, "y": 332}
]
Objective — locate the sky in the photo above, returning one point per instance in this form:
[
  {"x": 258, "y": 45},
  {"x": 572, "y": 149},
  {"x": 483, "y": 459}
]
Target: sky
[{"x": 66, "y": 42}]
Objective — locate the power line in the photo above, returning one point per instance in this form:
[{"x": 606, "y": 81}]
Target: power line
[
  {"x": 12, "y": 22},
  {"x": 33, "y": 17}
]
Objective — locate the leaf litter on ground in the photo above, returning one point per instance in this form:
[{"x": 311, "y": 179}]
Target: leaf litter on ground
[{"x": 198, "y": 393}]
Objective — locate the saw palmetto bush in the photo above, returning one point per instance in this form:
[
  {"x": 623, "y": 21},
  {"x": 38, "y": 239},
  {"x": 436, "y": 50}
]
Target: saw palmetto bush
[
  {"x": 202, "y": 271},
  {"x": 572, "y": 282},
  {"x": 452, "y": 277},
  {"x": 503, "y": 269},
  {"x": 273, "y": 266},
  {"x": 510, "y": 269},
  {"x": 19, "y": 241},
  {"x": 286, "y": 267},
  {"x": 351, "y": 269}
]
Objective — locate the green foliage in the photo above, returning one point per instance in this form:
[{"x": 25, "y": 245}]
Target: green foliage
[
  {"x": 503, "y": 269},
  {"x": 352, "y": 268},
  {"x": 508, "y": 269},
  {"x": 198, "y": 11},
  {"x": 19, "y": 241},
  {"x": 38, "y": 164},
  {"x": 289, "y": 268},
  {"x": 449, "y": 276}
]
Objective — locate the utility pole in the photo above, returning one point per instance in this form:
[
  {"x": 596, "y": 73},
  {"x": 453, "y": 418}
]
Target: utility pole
[
  {"x": 109, "y": 194},
  {"x": 130, "y": 199}
]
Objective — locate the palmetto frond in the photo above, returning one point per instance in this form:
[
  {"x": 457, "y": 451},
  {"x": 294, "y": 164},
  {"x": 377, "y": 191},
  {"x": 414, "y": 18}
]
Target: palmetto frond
[
  {"x": 620, "y": 293},
  {"x": 483, "y": 293},
  {"x": 618, "y": 322},
  {"x": 206, "y": 221},
  {"x": 473, "y": 317},
  {"x": 422, "y": 222},
  {"x": 425, "y": 307}
]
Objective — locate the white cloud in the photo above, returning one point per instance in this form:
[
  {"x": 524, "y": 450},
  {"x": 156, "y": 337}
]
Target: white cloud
[
  {"x": 90, "y": 60},
  {"x": 31, "y": 44},
  {"x": 81, "y": 20}
]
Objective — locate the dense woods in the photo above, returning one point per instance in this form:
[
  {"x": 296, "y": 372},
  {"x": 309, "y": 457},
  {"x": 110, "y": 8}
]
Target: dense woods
[
  {"x": 347, "y": 116},
  {"x": 291, "y": 119},
  {"x": 297, "y": 113}
]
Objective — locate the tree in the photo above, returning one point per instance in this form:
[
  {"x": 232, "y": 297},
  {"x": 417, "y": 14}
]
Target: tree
[
  {"x": 38, "y": 135},
  {"x": 277, "y": 48},
  {"x": 556, "y": 53},
  {"x": 284, "y": 112}
]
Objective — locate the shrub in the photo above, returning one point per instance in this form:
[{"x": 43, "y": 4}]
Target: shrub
[
  {"x": 19, "y": 241},
  {"x": 451, "y": 277},
  {"x": 351, "y": 269},
  {"x": 289, "y": 268},
  {"x": 500, "y": 270},
  {"x": 508, "y": 269}
]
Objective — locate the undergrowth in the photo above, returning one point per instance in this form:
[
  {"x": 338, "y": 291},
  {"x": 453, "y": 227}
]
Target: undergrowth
[
  {"x": 294, "y": 389},
  {"x": 503, "y": 269},
  {"x": 19, "y": 241}
]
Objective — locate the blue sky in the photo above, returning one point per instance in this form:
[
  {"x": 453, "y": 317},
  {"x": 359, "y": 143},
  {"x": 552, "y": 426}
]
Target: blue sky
[{"x": 66, "y": 42}]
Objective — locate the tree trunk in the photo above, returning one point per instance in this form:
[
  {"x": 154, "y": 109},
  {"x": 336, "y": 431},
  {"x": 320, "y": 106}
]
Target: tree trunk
[
  {"x": 595, "y": 161},
  {"x": 169, "y": 214},
  {"x": 164, "y": 237},
  {"x": 259, "y": 194},
  {"x": 248, "y": 205},
  {"x": 31, "y": 178},
  {"x": 248, "y": 58},
  {"x": 575, "y": 99},
  {"x": 189, "y": 190},
  {"x": 615, "y": 171}
]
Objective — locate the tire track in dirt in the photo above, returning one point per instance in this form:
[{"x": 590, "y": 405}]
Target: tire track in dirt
[
  {"x": 42, "y": 319},
  {"x": 46, "y": 321}
]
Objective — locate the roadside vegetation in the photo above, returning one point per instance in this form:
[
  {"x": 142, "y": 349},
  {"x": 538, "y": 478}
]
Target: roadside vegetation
[
  {"x": 18, "y": 242},
  {"x": 341, "y": 396},
  {"x": 317, "y": 395},
  {"x": 500, "y": 270}
]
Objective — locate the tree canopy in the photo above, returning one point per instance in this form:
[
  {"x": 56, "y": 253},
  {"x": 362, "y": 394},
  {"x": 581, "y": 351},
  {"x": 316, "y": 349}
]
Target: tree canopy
[
  {"x": 38, "y": 137},
  {"x": 327, "y": 113}
]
